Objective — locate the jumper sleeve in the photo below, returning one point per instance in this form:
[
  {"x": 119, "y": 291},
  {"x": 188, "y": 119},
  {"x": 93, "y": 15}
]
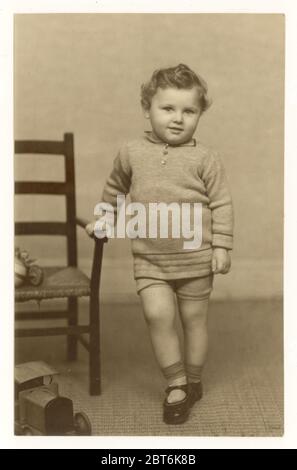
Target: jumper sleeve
[
  {"x": 119, "y": 180},
  {"x": 213, "y": 175}
]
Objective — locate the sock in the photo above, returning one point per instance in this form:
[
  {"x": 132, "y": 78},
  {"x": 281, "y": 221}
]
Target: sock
[
  {"x": 175, "y": 375},
  {"x": 174, "y": 372},
  {"x": 194, "y": 373}
]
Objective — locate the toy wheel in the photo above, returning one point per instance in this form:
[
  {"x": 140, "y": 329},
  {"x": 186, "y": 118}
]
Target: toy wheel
[
  {"x": 82, "y": 424},
  {"x": 35, "y": 275},
  {"x": 27, "y": 431}
]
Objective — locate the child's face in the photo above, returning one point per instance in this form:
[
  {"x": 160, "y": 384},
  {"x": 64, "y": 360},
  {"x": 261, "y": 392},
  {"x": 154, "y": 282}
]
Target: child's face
[{"x": 174, "y": 114}]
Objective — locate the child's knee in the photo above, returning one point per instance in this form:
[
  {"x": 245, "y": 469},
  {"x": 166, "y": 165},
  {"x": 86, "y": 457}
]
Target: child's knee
[
  {"x": 157, "y": 298},
  {"x": 158, "y": 311},
  {"x": 193, "y": 312},
  {"x": 158, "y": 316}
]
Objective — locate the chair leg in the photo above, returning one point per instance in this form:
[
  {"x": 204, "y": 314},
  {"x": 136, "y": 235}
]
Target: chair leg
[
  {"x": 72, "y": 321},
  {"x": 94, "y": 353}
]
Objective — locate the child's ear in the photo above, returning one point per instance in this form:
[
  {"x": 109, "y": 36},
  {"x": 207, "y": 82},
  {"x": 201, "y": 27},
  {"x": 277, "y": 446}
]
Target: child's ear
[{"x": 146, "y": 113}]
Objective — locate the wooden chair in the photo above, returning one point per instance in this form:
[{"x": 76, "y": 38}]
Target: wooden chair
[{"x": 62, "y": 282}]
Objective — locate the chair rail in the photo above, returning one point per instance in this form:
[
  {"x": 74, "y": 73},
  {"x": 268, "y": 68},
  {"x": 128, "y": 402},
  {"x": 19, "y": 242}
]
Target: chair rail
[
  {"x": 41, "y": 187},
  {"x": 70, "y": 330},
  {"x": 42, "y": 147},
  {"x": 41, "y": 228}
]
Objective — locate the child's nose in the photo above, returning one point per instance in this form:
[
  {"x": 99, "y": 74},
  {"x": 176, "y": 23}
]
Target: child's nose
[{"x": 178, "y": 117}]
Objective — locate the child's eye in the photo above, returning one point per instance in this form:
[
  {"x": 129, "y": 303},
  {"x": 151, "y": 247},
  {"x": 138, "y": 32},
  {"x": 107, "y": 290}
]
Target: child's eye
[
  {"x": 167, "y": 108},
  {"x": 189, "y": 111}
]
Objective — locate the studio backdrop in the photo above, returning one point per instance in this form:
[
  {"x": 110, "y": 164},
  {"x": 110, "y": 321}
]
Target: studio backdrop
[{"x": 82, "y": 73}]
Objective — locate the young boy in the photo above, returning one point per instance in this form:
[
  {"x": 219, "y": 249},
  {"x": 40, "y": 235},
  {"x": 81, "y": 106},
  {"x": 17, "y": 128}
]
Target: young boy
[{"x": 168, "y": 166}]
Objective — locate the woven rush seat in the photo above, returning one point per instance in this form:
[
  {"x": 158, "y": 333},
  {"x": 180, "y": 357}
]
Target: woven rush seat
[{"x": 57, "y": 282}]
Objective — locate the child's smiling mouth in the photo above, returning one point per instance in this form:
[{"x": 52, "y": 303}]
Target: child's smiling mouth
[{"x": 175, "y": 129}]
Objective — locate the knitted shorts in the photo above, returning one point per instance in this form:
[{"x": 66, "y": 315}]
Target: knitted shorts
[{"x": 194, "y": 288}]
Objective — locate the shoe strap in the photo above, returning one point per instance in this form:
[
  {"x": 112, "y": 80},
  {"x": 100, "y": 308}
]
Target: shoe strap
[{"x": 183, "y": 387}]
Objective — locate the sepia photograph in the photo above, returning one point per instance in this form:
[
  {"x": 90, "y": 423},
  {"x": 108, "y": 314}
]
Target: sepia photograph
[{"x": 148, "y": 171}]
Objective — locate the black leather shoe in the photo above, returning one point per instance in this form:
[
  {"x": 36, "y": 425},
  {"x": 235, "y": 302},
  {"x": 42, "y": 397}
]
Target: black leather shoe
[
  {"x": 195, "y": 392},
  {"x": 177, "y": 412}
]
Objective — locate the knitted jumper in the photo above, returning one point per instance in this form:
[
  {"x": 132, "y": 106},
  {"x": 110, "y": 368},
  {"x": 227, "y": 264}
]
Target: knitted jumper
[{"x": 154, "y": 172}]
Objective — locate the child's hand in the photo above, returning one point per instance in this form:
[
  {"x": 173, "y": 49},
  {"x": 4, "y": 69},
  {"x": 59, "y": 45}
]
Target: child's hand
[
  {"x": 221, "y": 261},
  {"x": 90, "y": 228},
  {"x": 100, "y": 231}
]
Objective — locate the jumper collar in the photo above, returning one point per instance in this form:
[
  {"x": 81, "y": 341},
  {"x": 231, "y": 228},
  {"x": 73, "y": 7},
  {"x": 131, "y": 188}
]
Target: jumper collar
[{"x": 149, "y": 136}]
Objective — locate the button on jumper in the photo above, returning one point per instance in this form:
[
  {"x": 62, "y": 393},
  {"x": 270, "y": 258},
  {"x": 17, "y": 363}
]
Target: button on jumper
[{"x": 165, "y": 152}]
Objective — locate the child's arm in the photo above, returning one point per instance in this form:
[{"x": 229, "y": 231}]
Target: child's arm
[
  {"x": 118, "y": 182},
  {"x": 222, "y": 212}
]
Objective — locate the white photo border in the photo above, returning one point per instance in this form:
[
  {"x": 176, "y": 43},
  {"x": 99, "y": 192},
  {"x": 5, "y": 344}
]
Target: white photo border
[{"x": 286, "y": 7}]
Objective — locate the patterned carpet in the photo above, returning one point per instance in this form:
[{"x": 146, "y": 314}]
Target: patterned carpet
[{"x": 243, "y": 378}]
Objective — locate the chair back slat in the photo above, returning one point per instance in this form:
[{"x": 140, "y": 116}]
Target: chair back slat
[
  {"x": 41, "y": 228},
  {"x": 64, "y": 148},
  {"x": 42, "y": 147},
  {"x": 40, "y": 187}
]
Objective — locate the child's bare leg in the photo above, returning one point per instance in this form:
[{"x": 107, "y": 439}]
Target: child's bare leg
[
  {"x": 193, "y": 315},
  {"x": 159, "y": 311}
]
